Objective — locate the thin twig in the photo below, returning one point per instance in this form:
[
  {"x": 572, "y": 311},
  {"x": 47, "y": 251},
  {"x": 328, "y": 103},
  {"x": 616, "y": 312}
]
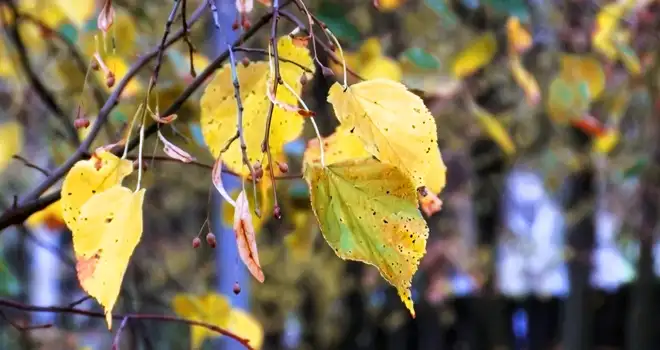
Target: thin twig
[
  {"x": 101, "y": 119},
  {"x": 265, "y": 52},
  {"x": 33, "y": 203},
  {"x": 29, "y": 164},
  {"x": 239, "y": 124},
  {"x": 186, "y": 38},
  {"x": 80, "y": 301},
  {"x": 115, "y": 342},
  {"x": 135, "y": 316},
  {"x": 39, "y": 87},
  {"x": 161, "y": 47},
  {"x": 265, "y": 146},
  {"x": 214, "y": 12},
  {"x": 99, "y": 94},
  {"x": 331, "y": 54},
  {"x": 20, "y": 328}
]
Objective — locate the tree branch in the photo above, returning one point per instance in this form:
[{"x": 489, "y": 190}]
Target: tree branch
[
  {"x": 163, "y": 318},
  {"x": 32, "y": 203}
]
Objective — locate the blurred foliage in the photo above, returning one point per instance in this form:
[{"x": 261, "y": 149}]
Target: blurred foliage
[{"x": 456, "y": 53}]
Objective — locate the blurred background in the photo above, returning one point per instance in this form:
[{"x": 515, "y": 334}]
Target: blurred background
[{"x": 548, "y": 119}]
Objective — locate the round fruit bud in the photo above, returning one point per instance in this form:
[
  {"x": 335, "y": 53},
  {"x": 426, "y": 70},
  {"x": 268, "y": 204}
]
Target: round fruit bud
[
  {"x": 277, "y": 212},
  {"x": 237, "y": 288},
  {"x": 234, "y": 26},
  {"x": 284, "y": 167},
  {"x": 245, "y": 61},
  {"x": 210, "y": 239},
  {"x": 303, "y": 79},
  {"x": 246, "y": 24},
  {"x": 81, "y": 123},
  {"x": 110, "y": 80},
  {"x": 196, "y": 242},
  {"x": 95, "y": 64}
]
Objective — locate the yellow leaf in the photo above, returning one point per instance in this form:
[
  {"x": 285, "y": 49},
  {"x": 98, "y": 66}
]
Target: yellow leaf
[
  {"x": 211, "y": 308},
  {"x": 369, "y": 63},
  {"x": 388, "y": 5},
  {"x": 519, "y": 39},
  {"x": 606, "y": 142},
  {"x": 525, "y": 80},
  {"x": 394, "y": 125},
  {"x": 246, "y": 326},
  {"x": 493, "y": 128},
  {"x": 475, "y": 56},
  {"x": 342, "y": 145},
  {"x": 368, "y": 212},
  {"x": 79, "y": 11},
  {"x": 11, "y": 134},
  {"x": 88, "y": 177},
  {"x": 51, "y": 216},
  {"x": 575, "y": 68},
  {"x": 219, "y": 111},
  {"x": 108, "y": 230},
  {"x": 52, "y": 16}
]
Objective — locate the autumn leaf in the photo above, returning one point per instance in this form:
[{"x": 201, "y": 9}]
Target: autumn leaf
[
  {"x": 519, "y": 39},
  {"x": 246, "y": 326},
  {"x": 51, "y": 217},
  {"x": 11, "y": 134},
  {"x": 245, "y": 237},
  {"x": 567, "y": 100},
  {"x": 578, "y": 68},
  {"x": 493, "y": 128},
  {"x": 119, "y": 69},
  {"x": 342, "y": 145},
  {"x": 88, "y": 177},
  {"x": 374, "y": 109},
  {"x": 218, "y": 107},
  {"x": 475, "y": 56},
  {"x": 525, "y": 80},
  {"x": 211, "y": 308},
  {"x": 368, "y": 212},
  {"x": 368, "y": 62},
  {"x": 108, "y": 229}
]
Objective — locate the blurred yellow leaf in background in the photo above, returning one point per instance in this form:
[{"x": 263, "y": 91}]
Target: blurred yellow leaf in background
[
  {"x": 11, "y": 136},
  {"x": 368, "y": 62},
  {"x": 478, "y": 53}
]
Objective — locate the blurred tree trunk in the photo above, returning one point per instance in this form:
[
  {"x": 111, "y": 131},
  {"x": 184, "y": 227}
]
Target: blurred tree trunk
[
  {"x": 488, "y": 309},
  {"x": 641, "y": 318},
  {"x": 580, "y": 237}
]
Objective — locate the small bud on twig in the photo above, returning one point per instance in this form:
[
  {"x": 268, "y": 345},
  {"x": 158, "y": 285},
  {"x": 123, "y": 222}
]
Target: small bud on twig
[
  {"x": 277, "y": 212},
  {"x": 81, "y": 123},
  {"x": 196, "y": 242},
  {"x": 237, "y": 288},
  {"x": 210, "y": 240},
  {"x": 110, "y": 79},
  {"x": 284, "y": 167}
]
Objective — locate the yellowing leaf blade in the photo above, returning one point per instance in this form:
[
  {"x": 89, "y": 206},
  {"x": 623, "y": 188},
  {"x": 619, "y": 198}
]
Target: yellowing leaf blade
[
  {"x": 245, "y": 237},
  {"x": 111, "y": 220},
  {"x": 394, "y": 125}
]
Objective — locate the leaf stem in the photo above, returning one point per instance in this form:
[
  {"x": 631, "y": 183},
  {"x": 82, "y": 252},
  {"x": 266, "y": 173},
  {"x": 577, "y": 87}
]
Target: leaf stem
[
  {"x": 341, "y": 54},
  {"x": 265, "y": 146},
  {"x": 239, "y": 123}
]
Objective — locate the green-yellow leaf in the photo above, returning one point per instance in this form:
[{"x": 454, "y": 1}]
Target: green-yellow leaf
[
  {"x": 394, "y": 125},
  {"x": 218, "y": 115},
  {"x": 475, "y": 56},
  {"x": 368, "y": 212}
]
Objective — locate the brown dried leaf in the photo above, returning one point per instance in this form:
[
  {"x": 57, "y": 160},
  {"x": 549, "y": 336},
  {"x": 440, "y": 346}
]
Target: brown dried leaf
[
  {"x": 216, "y": 177},
  {"x": 175, "y": 152},
  {"x": 245, "y": 237},
  {"x": 106, "y": 17}
]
